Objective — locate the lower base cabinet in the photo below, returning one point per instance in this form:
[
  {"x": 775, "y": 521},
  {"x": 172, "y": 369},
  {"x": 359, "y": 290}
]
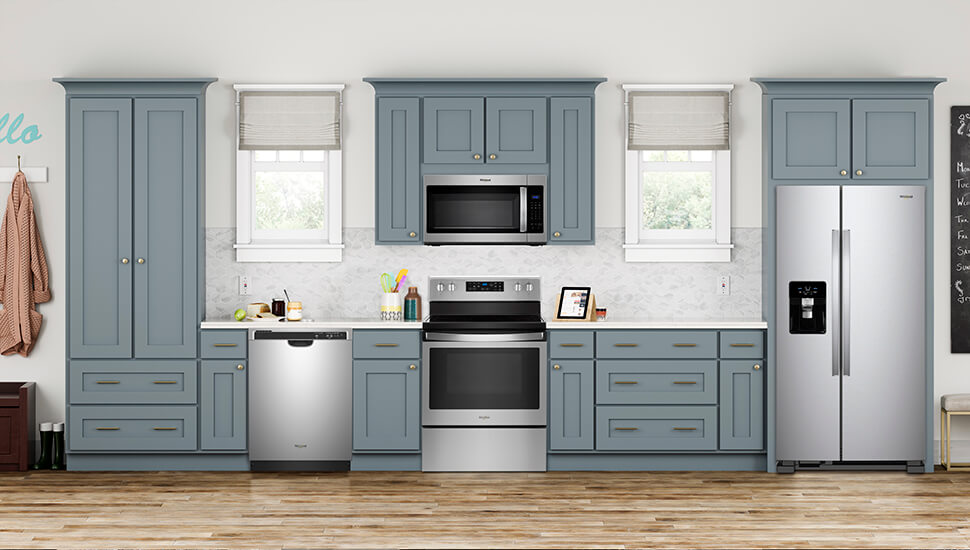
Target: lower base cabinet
[
  {"x": 223, "y": 405},
  {"x": 387, "y": 411},
  {"x": 133, "y": 428},
  {"x": 656, "y": 428},
  {"x": 742, "y": 399},
  {"x": 571, "y": 405}
]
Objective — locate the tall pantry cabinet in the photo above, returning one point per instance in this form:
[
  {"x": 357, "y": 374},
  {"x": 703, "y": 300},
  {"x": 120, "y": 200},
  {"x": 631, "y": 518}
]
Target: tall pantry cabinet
[{"x": 136, "y": 281}]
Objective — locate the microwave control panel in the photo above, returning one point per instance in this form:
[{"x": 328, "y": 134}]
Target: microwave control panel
[{"x": 536, "y": 209}]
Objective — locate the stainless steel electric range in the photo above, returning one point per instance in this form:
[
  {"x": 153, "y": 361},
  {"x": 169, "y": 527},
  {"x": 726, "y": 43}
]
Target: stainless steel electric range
[{"x": 484, "y": 382}]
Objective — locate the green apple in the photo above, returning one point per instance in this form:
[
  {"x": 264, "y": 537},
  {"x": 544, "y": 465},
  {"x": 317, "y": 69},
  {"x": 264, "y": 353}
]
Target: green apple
[{"x": 240, "y": 314}]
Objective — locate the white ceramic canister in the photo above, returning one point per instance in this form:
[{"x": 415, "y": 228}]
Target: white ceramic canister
[{"x": 391, "y": 309}]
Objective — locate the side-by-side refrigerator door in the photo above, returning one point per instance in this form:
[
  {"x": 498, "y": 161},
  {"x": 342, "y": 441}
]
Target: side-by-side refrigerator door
[
  {"x": 807, "y": 332},
  {"x": 884, "y": 323}
]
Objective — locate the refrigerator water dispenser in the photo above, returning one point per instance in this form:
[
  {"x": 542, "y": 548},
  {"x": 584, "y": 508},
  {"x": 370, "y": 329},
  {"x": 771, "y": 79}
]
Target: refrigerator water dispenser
[{"x": 806, "y": 309}]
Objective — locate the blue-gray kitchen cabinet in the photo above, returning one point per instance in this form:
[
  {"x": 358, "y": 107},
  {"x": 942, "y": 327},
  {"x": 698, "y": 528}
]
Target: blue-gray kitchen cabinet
[
  {"x": 387, "y": 412},
  {"x": 890, "y": 139},
  {"x": 811, "y": 138},
  {"x": 454, "y": 130},
  {"x": 100, "y": 227},
  {"x": 398, "y": 205},
  {"x": 223, "y": 405},
  {"x": 515, "y": 130},
  {"x": 571, "y": 405},
  {"x": 742, "y": 404},
  {"x": 570, "y": 194}
]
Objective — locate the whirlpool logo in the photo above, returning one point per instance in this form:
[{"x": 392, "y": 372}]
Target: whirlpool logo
[{"x": 484, "y": 417}]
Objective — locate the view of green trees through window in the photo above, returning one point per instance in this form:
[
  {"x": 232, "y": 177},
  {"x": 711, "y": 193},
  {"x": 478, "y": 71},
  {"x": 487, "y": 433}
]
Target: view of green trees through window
[
  {"x": 677, "y": 200},
  {"x": 289, "y": 200}
]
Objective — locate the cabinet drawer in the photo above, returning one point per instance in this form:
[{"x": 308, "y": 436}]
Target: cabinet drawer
[
  {"x": 387, "y": 344},
  {"x": 656, "y": 382},
  {"x": 648, "y": 428},
  {"x": 656, "y": 344},
  {"x": 569, "y": 344},
  {"x": 136, "y": 428},
  {"x": 742, "y": 344},
  {"x": 135, "y": 382},
  {"x": 224, "y": 344}
]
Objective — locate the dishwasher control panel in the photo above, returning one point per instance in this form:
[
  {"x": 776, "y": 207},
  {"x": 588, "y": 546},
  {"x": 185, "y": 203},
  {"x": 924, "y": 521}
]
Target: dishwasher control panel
[{"x": 293, "y": 335}]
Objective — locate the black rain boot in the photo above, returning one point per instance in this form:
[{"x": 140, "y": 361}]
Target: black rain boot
[
  {"x": 46, "y": 442},
  {"x": 57, "y": 462}
]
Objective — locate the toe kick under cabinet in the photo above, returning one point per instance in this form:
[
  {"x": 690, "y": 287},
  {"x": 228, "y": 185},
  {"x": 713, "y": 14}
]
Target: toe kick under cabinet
[
  {"x": 142, "y": 395},
  {"x": 656, "y": 400}
]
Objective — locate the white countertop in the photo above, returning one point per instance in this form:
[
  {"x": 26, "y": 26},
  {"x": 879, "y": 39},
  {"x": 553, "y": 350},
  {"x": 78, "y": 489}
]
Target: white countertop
[{"x": 610, "y": 324}]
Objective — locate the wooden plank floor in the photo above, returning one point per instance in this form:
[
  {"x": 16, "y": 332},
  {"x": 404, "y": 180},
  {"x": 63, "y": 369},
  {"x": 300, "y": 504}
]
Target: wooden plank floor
[{"x": 563, "y": 510}]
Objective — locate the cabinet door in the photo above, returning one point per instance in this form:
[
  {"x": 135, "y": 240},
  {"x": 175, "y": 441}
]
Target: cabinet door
[
  {"x": 99, "y": 237},
  {"x": 223, "y": 406},
  {"x": 454, "y": 130},
  {"x": 398, "y": 179},
  {"x": 10, "y": 436},
  {"x": 890, "y": 139},
  {"x": 810, "y": 139},
  {"x": 515, "y": 130},
  {"x": 571, "y": 171},
  {"x": 166, "y": 228},
  {"x": 742, "y": 403},
  {"x": 571, "y": 405},
  {"x": 386, "y": 406}
]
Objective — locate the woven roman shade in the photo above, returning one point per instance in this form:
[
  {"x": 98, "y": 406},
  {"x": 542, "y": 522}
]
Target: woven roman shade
[
  {"x": 289, "y": 120},
  {"x": 677, "y": 121}
]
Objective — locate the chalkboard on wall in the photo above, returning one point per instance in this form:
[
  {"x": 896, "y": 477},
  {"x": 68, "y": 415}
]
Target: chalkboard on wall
[{"x": 960, "y": 229}]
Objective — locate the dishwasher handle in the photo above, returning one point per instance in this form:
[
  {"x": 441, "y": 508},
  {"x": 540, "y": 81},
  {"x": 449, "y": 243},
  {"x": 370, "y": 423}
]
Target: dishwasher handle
[{"x": 300, "y": 343}]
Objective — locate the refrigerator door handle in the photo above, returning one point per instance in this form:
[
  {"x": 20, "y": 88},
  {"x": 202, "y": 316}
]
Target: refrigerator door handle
[
  {"x": 834, "y": 301},
  {"x": 845, "y": 301}
]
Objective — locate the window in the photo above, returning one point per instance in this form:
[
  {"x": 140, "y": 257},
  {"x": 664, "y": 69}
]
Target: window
[
  {"x": 678, "y": 174},
  {"x": 288, "y": 173}
]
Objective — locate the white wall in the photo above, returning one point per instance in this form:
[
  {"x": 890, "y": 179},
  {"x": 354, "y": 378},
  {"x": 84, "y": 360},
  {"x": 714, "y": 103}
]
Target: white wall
[{"x": 345, "y": 40}]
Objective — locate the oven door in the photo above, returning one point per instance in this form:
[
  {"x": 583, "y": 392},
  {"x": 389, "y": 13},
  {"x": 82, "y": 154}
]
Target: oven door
[
  {"x": 478, "y": 210},
  {"x": 484, "y": 383}
]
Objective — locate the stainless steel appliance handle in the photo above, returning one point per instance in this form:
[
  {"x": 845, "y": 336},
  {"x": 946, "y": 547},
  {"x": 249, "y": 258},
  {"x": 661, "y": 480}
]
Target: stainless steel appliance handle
[
  {"x": 845, "y": 302},
  {"x": 523, "y": 209},
  {"x": 833, "y": 299},
  {"x": 505, "y": 337}
]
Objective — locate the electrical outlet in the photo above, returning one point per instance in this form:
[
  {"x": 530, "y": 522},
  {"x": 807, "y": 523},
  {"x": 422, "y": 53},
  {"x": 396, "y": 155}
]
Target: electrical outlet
[
  {"x": 244, "y": 285},
  {"x": 724, "y": 285}
]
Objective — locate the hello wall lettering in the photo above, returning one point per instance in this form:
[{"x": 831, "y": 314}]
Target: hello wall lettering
[{"x": 9, "y": 134}]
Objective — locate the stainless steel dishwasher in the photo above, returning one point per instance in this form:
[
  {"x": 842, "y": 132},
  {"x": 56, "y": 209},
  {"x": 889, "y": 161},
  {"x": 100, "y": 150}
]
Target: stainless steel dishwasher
[{"x": 300, "y": 385}]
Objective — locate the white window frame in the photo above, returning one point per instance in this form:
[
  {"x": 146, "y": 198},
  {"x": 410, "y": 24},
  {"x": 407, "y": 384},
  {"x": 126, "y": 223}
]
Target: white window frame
[
  {"x": 287, "y": 246},
  {"x": 676, "y": 245}
]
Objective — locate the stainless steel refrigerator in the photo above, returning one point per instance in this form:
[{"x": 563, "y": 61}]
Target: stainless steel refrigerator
[{"x": 850, "y": 334}]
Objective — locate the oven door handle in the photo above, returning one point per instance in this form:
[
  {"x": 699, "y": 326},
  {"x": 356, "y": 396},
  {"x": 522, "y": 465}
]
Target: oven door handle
[
  {"x": 523, "y": 209},
  {"x": 506, "y": 337}
]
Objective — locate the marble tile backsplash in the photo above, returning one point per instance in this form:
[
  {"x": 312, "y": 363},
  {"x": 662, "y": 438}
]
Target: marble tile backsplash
[{"x": 351, "y": 289}]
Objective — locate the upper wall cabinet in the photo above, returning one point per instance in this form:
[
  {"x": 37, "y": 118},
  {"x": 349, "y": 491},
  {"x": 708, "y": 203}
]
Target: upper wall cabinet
[
  {"x": 485, "y": 126},
  {"x": 828, "y": 138}
]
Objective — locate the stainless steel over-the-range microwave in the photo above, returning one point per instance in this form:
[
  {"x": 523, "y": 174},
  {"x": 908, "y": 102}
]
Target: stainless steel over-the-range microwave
[{"x": 473, "y": 209}]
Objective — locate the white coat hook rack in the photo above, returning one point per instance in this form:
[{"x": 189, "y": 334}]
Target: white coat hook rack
[{"x": 35, "y": 174}]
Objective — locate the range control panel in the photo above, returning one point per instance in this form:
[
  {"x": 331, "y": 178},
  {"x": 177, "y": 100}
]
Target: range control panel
[{"x": 481, "y": 289}]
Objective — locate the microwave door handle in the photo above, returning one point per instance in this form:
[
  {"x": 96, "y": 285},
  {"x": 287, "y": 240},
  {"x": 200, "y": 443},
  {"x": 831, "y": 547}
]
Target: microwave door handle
[{"x": 523, "y": 209}]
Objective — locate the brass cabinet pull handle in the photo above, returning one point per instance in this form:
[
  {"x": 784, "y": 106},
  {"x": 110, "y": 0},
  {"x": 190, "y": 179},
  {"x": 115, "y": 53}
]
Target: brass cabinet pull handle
[
  {"x": 684, "y": 429},
  {"x": 141, "y": 260},
  {"x": 684, "y": 382},
  {"x": 858, "y": 172},
  {"x": 412, "y": 234},
  {"x": 685, "y": 345},
  {"x": 240, "y": 367},
  {"x": 571, "y": 345},
  {"x": 477, "y": 156},
  {"x": 109, "y": 381},
  {"x": 164, "y": 429},
  {"x": 107, "y": 428},
  {"x": 492, "y": 156},
  {"x": 385, "y": 345},
  {"x": 412, "y": 367},
  {"x": 626, "y": 429},
  {"x": 557, "y": 234},
  {"x": 622, "y": 345},
  {"x": 220, "y": 345},
  {"x": 843, "y": 173},
  {"x": 557, "y": 367},
  {"x": 626, "y": 382},
  {"x": 124, "y": 260},
  {"x": 743, "y": 345},
  {"x": 757, "y": 367},
  {"x": 165, "y": 382}
]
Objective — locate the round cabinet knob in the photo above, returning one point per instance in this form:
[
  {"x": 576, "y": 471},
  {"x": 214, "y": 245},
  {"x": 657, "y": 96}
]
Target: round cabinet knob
[
  {"x": 412, "y": 367},
  {"x": 858, "y": 172},
  {"x": 492, "y": 156},
  {"x": 757, "y": 367},
  {"x": 477, "y": 156},
  {"x": 141, "y": 260},
  {"x": 844, "y": 173},
  {"x": 124, "y": 260},
  {"x": 556, "y": 234},
  {"x": 529, "y": 287},
  {"x": 440, "y": 287},
  {"x": 240, "y": 367},
  {"x": 557, "y": 367},
  {"x": 412, "y": 234}
]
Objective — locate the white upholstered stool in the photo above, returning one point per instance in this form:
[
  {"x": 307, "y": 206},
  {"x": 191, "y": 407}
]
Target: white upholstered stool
[{"x": 952, "y": 404}]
